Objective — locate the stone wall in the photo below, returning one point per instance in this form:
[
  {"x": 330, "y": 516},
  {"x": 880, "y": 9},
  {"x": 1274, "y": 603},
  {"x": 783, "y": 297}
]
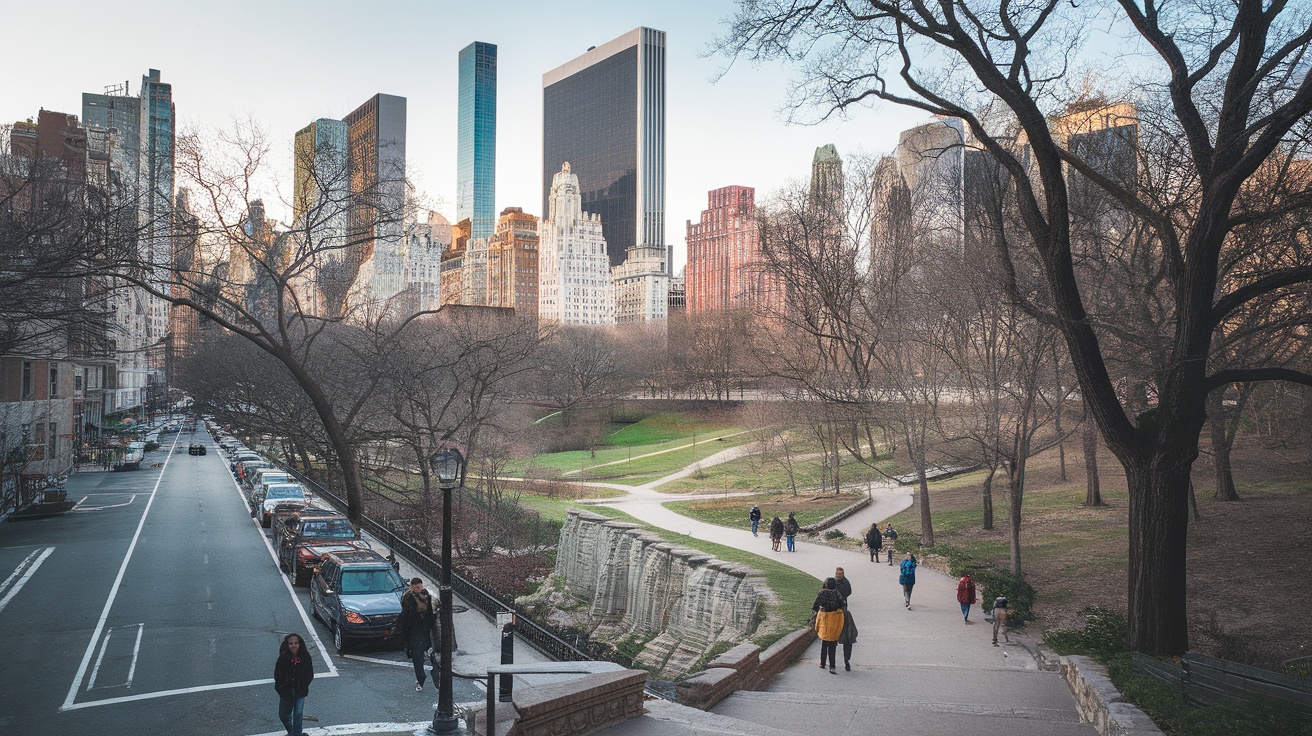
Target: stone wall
[
  {"x": 1100, "y": 703},
  {"x": 619, "y": 582}
]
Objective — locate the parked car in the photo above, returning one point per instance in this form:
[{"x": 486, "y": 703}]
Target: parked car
[
  {"x": 309, "y": 536},
  {"x": 358, "y": 595},
  {"x": 132, "y": 458},
  {"x": 262, "y": 478},
  {"x": 279, "y": 494},
  {"x": 237, "y": 457},
  {"x": 246, "y": 471},
  {"x": 195, "y": 448}
]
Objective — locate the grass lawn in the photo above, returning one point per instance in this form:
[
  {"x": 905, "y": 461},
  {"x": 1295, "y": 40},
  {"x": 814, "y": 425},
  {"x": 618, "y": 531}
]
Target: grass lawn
[
  {"x": 732, "y": 512},
  {"x": 747, "y": 474},
  {"x": 636, "y": 472}
]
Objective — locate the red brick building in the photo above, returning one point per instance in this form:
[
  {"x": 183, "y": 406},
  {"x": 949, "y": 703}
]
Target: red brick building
[{"x": 726, "y": 268}]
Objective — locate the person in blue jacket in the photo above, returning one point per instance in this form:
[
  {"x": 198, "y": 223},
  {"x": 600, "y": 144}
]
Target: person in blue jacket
[{"x": 907, "y": 577}]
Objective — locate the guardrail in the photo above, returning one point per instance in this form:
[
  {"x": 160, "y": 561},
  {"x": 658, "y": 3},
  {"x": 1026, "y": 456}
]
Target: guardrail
[
  {"x": 1207, "y": 680},
  {"x": 490, "y": 604}
]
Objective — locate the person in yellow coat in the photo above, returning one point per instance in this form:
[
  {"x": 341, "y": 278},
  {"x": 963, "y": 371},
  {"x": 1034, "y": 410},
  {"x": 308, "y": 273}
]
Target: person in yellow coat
[{"x": 828, "y": 609}]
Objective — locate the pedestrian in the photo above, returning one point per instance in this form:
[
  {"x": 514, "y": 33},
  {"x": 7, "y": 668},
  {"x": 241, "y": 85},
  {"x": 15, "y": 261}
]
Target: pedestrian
[
  {"x": 828, "y": 608},
  {"x": 844, "y": 585},
  {"x": 776, "y": 533},
  {"x": 847, "y": 638},
  {"x": 291, "y": 680},
  {"x": 875, "y": 541},
  {"x": 791, "y": 528},
  {"x": 1000, "y": 619},
  {"x": 755, "y": 516},
  {"x": 418, "y": 614},
  {"x": 907, "y": 578},
  {"x": 891, "y": 535},
  {"x": 966, "y": 595}
]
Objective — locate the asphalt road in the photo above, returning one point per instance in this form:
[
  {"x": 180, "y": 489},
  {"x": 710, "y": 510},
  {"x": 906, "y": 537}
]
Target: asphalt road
[{"x": 155, "y": 607}]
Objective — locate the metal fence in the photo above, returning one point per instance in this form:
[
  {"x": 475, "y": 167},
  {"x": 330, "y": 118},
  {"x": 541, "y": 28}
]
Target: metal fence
[
  {"x": 490, "y": 604},
  {"x": 1207, "y": 681}
]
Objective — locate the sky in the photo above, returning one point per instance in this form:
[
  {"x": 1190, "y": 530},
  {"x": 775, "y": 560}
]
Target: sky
[{"x": 285, "y": 63}]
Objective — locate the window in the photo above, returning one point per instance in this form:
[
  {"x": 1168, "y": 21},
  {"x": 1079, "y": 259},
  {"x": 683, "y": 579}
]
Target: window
[
  {"x": 54, "y": 382},
  {"x": 52, "y": 439},
  {"x": 26, "y": 390}
]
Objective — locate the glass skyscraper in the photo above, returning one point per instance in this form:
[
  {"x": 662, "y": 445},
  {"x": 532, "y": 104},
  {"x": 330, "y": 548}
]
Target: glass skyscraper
[
  {"x": 476, "y": 152},
  {"x": 604, "y": 114}
]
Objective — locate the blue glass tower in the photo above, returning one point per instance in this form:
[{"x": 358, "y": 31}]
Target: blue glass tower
[{"x": 476, "y": 154}]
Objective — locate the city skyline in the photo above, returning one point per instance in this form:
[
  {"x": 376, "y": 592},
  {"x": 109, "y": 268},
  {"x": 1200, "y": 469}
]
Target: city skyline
[{"x": 708, "y": 146}]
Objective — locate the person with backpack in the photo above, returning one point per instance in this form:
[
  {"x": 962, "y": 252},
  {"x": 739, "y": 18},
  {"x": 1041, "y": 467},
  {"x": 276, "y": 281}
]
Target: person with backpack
[
  {"x": 875, "y": 541},
  {"x": 791, "y": 528},
  {"x": 776, "y": 533},
  {"x": 907, "y": 577},
  {"x": 755, "y": 516},
  {"x": 1000, "y": 619},
  {"x": 891, "y": 535},
  {"x": 829, "y": 616}
]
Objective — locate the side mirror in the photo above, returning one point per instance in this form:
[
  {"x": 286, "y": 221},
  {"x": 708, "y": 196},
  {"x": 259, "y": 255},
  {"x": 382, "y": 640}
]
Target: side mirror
[{"x": 329, "y": 591}]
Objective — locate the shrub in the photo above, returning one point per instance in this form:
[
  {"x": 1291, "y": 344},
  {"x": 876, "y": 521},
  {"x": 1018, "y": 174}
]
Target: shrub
[
  {"x": 834, "y": 534},
  {"x": 1105, "y": 635},
  {"x": 992, "y": 581}
]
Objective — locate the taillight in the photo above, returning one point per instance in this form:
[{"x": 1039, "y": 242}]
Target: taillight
[
  {"x": 353, "y": 617},
  {"x": 307, "y": 554}
]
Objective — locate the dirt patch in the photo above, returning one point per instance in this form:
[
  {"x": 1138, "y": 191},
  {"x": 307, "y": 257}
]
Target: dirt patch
[{"x": 1247, "y": 560}]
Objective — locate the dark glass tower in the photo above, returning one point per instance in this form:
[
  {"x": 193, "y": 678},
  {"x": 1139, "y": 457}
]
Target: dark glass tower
[
  {"x": 476, "y": 148},
  {"x": 604, "y": 113}
]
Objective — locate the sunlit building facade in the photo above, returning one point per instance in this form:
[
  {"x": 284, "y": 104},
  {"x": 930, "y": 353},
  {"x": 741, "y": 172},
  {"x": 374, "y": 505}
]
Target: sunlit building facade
[{"x": 476, "y": 147}]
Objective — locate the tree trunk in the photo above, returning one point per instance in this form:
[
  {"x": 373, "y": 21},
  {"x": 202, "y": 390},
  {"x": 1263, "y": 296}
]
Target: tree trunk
[
  {"x": 926, "y": 520},
  {"x": 1159, "y": 527},
  {"x": 1222, "y": 443},
  {"x": 988, "y": 497},
  {"x": 1093, "y": 492},
  {"x": 1193, "y": 503},
  {"x": 1015, "y": 496},
  {"x": 1061, "y": 441}
]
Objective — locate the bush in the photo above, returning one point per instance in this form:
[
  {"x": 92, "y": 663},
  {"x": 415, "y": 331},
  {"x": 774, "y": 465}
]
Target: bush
[
  {"x": 833, "y": 534},
  {"x": 1105, "y": 635}
]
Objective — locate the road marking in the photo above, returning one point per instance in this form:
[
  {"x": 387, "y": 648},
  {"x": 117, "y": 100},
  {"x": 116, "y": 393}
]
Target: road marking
[
  {"x": 79, "y": 507},
  {"x": 136, "y": 652},
  {"x": 31, "y": 569},
  {"x": 113, "y": 590},
  {"x": 20, "y": 567},
  {"x": 375, "y": 660},
  {"x": 358, "y": 728},
  {"x": 95, "y": 671},
  {"x": 104, "y": 647}
]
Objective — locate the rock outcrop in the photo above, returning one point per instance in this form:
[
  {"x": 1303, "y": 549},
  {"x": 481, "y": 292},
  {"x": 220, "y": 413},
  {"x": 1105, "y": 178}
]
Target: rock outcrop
[{"x": 619, "y": 582}]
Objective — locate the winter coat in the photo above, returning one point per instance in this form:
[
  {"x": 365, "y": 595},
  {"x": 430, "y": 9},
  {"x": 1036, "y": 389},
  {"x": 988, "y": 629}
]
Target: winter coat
[
  {"x": 776, "y": 529},
  {"x": 966, "y": 590},
  {"x": 791, "y": 527},
  {"x": 293, "y": 678},
  {"x": 908, "y": 573},
  {"x": 848, "y": 636},
  {"x": 874, "y": 540},
  {"x": 754, "y": 514},
  {"x": 844, "y": 588},
  {"x": 417, "y": 627}
]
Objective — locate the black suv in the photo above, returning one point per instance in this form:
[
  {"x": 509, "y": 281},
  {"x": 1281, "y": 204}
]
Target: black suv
[
  {"x": 195, "y": 448},
  {"x": 358, "y": 595}
]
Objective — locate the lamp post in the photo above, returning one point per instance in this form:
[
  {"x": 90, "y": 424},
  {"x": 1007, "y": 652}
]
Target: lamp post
[{"x": 448, "y": 466}]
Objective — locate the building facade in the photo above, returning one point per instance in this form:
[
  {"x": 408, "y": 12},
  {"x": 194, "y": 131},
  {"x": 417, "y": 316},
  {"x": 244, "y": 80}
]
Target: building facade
[
  {"x": 642, "y": 286},
  {"x": 512, "y": 263},
  {"x": 375, "y": 134},
  {"x": 604, "y": 113},
  {"x": 476, "y": 148},
  {"x": 426, "y": 242},
  {"x": 726, "y": 267},
  {"x": 574, "y": 278}
]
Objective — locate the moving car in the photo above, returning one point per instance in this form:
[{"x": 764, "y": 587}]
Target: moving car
[
  {"x": 195, "y": 448},
  {"x": 358, "y": 595},
  {"x": 309, "y": 536}
]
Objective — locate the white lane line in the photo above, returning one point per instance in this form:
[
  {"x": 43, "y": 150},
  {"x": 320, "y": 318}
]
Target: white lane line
[
  {"x": 95, "y": 671},
  {"x": 19, "y": 569},
  {"x": 106, "y": 506},
  {"x": 79, "y": 503},
  {"x": 305, "y": 617},
  {"x": 167, "y": 693},
  {"x": 23, "y": 580},
  {"x": 349, "y": 729},
  {"x": 113, "y": 590},
  {"x": 136, "y": 652},
  {"x": 375, "y": 660}
]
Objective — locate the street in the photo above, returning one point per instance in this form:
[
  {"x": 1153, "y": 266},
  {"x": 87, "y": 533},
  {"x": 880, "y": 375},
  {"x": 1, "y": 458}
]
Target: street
[{"x": 155, "y": 606}]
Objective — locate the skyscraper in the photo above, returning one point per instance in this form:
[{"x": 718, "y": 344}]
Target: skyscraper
[
  {"x": 321, "y": 198},
  {"x": 574, "y": 279},
  {"x": 604, "y": 113},
  {"x": 476, "y": 150},
  {"x": 375, "y": 144}
]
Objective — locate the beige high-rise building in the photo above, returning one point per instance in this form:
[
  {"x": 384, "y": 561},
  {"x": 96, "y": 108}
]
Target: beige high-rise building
[
  {"x": 574, "y": 279},
  {"x": 512, "y": 262}
]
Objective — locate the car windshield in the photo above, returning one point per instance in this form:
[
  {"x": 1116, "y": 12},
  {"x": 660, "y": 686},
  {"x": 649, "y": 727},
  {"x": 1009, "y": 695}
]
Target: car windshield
[
  {"x": 285, "y": 492},
  {"x": 328, "y": 529},
  {"x": 381, "y": 580}
]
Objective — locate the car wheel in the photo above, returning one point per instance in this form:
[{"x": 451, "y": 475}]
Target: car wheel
[
  {"x": 315, "y": 610},
  {"x": 339, "y": 641},
  {"x": 266, "y": 522}
]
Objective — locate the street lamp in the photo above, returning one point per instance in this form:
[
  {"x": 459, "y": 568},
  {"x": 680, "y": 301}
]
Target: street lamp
[{"x": 448, "y": 464}]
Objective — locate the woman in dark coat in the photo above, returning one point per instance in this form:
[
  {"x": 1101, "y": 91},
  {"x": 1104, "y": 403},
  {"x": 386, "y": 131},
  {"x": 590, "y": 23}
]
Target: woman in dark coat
[
  {"x": 829, "y": 616},
  {"x": 292, "y": 675},
  {"x": 776, "y": 532}
]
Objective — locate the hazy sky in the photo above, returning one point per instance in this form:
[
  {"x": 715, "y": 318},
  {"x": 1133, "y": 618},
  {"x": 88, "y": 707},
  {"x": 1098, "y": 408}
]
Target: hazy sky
[{"x": 285, "y": 63}]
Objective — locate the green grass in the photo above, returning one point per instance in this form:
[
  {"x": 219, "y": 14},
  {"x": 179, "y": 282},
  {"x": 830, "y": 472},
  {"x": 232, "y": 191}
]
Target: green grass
[
  {"x": 747, "y": 474},
  {"x": 666, "y": 427},
  {"x": 637, "y": 471},
  {"x": 732, "y": 512}
]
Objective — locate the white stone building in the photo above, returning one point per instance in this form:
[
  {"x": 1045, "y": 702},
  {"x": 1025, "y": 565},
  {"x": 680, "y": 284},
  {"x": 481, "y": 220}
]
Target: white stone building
[
  {"x": 642, "y": 286},
  {"x": 574, "y": 278}
]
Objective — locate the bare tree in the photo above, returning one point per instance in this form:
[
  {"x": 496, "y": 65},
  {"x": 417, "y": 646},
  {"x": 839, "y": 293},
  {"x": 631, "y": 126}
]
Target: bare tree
[{"x": 1237, "y": 91}]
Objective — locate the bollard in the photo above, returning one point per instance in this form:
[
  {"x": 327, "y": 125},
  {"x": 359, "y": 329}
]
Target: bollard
[{"x": 506, "y": 620}]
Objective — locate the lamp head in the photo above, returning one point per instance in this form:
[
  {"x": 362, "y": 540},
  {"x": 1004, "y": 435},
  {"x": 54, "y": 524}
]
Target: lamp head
[{"x": 446, "y": 465}]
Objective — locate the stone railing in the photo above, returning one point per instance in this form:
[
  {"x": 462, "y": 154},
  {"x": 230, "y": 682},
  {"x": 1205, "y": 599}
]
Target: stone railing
[
  {"x": 745, "y": 667},
  {"x": 577, "y": 706},
  {"x": 1100, "y": 703}
]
